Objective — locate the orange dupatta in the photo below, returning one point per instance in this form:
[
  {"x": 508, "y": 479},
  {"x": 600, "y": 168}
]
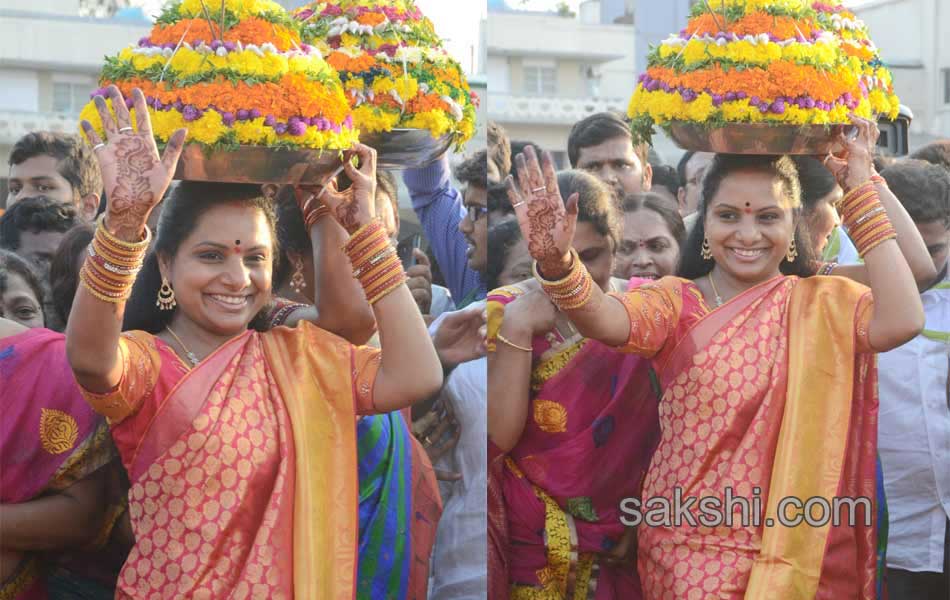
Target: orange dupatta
[{"x": 830, "y": 412}]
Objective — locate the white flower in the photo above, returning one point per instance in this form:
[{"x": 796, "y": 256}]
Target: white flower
[
  {"x": 339, "y": 21},
  {"x": 454, "y": 107},
  {"x": 167, "y": 52},
  {"x": 721, "y": 42},
  {"x": 396, "y": 97},
  {"x": 253, "y": 48},
  {"x": 353, "y": 27},
  {"x": 764, "y": 38},
  {"x": 222, "y": 51},
  {"x": 751, "y": 39},
  {"x": 240, "y": 46},
  {"x": 371, "y": 95},
  {"x": 334, "y": 31},
  {"x": 268, "y": 47}
]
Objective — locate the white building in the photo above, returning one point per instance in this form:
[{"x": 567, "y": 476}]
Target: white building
[
  {"x": 546, "y": 71},
  {"x": 909, "y": 34},
  {"x": 50, "y": 59}
]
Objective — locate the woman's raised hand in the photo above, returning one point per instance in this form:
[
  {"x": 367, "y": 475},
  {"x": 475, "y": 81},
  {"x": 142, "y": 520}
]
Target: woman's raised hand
[
  {"x": 356, "y": 205},
  {"x": 545, "y": 221},
  {"x": 857, "y": 164},
  {"x": 134, "y": 175}
]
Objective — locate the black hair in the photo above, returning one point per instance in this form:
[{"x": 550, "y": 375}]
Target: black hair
[
  {"x": 815, "y": 180},
  {"x": 596, "y": 204},
  {"x": 501, "y": 239},
  {"x": 64, "y": 271},
  {"x": 936, "y": 153},
  {"x": 35, "y": 215},
  {"x": 694, "y": 266},
  {"x": 75, "y": 161},
  {"x": 923, "y": 189},
  {"x": 597, "y": 129},
  {"x": 498, "y": 200},
  {"x": 16, "y": 264},
  {"x": 681, "y": 166},
  {"x": 499, "y": 149},
  {"x": 474, "y": 170},
  {"x": 667, "y": 177},
  {"x": 291, "y": 233},
  {"x": 180, "y": 215},
  {"x": 669, "y": 213}
]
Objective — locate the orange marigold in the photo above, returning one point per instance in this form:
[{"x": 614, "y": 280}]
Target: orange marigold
[
  {"x": 371, "y": 18},
  {"x": 753, "y": 24},
  {"x": 425, "y": 102},
  {"x": 249, "y": 31},
  {"x": 342, "y": 62}
]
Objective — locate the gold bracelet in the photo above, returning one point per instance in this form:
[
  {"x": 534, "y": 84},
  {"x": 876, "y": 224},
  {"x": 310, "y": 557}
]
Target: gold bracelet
[
  {"x": 508, "y": 342},
  {"x": 139, "y": 246}
]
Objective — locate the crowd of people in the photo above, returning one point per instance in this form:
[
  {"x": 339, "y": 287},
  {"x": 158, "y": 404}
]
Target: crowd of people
[
  {"x": 761, "y": 327},
  {"x": 216, "y": 390},
  {"x": 222, "y": 390}
]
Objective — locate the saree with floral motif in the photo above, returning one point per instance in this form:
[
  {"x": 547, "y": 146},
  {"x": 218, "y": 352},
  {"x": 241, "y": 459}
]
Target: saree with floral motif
[
  {"x": 772, "y": 395},
  {"x": 243, "y": 469},
  {"x": 49, "y": 437},
  {"x": 554, "y": 500}
]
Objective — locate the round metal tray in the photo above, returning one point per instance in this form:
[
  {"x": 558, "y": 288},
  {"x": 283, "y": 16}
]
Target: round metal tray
[
  {"x": 757, "y": 138},
  {"x": 256, "y": 164},
  {"x": 406, "y": 148}
]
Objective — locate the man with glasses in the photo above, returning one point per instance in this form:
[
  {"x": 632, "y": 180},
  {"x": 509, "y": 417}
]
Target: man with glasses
[{"x": 455, "y": 223}]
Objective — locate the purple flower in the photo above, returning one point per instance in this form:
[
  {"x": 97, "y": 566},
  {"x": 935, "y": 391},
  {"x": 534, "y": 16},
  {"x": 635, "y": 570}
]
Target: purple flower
[
  {"x": 809, "y": 103},
  {"x": 755, "y": 101},
  {"x": 332, "y": 10},
  {"x": 215, "y": 44},
  {"x": 666, "y": 87},
  {"x": 716, "y": 99},
  {"x": 143, "y": 42},
  {"x": 297, "y": 128},
  {"x": 642, "y": 78},
  {"x": 688, "y": 95},
  {"x": 778, "y": 107},
  {"x": 741, "y": 95},
  {"x": 280, "y": 128},
  {"x": 348, "y": 121},
  {"x": 730, "y": 96},
  {"x": 254, "y": 113},
  {"x": 652, "y": 86},
  {"x": 191, "y": 113},
  {"x": 242, "y": 114},
  {"x": 227, "y": 118},
  {"x": 764, "y": 107},
  {"x": 169, "y": 45},
  {"x": 129, "y": 102},
  {"x": 270, "y": 121},
  {"x": 230, "y": 46},
  {"x": 305, "y": 14},
  {"x": 179, "y": 105}
]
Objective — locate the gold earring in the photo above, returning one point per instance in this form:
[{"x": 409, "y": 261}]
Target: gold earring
[
  {"x": 166, "y": 296},
  {"x": 707, "y": 253},
  {"x": 792, "y": 253},
  {"x": 297, "y": 281}
]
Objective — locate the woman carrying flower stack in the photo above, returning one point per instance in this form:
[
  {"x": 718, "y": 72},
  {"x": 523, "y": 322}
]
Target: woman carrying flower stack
[
  {"x": 240, "y": 446},
  {"x": 759, "y": 365}
]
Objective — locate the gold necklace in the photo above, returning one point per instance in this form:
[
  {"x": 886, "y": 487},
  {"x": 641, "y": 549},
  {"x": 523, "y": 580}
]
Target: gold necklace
[
  {"x": 715, "y": 291},
  {"x": 188, "y": 353}
]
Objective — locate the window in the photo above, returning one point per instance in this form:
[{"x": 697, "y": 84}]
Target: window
[
  {"x": 70, "y": 97},
  {"x": 540, "y": 80}
]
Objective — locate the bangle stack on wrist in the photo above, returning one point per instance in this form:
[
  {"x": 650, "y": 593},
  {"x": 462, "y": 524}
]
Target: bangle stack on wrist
[
  {"x": 865, "y": 218},
  {"x": 572, "y": 291},
  {"x": 112, "y": 265},
  {"x": 375, "y": 262}
]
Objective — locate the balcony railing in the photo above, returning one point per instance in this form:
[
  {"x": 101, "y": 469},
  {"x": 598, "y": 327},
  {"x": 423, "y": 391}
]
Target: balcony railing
[
  {"x": 14, "y": 125},
  {"x": 508, "y": 108}
]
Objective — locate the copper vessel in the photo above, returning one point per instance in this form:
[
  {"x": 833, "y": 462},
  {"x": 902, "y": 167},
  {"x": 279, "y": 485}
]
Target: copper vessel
[{"x": 758, "y": 138}]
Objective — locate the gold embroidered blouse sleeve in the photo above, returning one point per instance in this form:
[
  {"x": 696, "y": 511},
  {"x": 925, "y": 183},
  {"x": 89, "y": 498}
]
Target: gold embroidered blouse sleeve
[
  {"x": 366, "y": 361},
  {"x": 140, "y": 368},
  {"x": 862, "y": 320},
  {"x": 654, "y": 310}
]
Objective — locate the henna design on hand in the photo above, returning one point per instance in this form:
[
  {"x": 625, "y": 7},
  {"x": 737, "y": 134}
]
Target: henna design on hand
[{"x": 132, "y": 198}]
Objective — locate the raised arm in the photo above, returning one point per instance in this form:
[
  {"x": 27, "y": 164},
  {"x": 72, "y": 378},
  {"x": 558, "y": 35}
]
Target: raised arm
[
  {"x": 549, "y": 228},
  {"x": 339, "y": 303},
  {"x": 135, "y": 179},
  {"x": 911, "y": 245},
  {"x": 898, "y": 313},
  {"x": 409, "y": 369}
]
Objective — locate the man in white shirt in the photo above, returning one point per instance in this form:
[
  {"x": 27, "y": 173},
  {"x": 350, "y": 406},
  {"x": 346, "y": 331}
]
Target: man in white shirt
[{"x": 914, "y": 424}]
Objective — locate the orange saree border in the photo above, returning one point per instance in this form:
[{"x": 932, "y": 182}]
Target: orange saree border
[
  {"x": 817, "y": 417},
  {"x": 313, "y": 373}
]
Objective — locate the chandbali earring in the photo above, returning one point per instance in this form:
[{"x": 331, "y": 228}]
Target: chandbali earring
[
  {"x": 792, "y": 253},
  {"x": 297, "y": 281},
  {"x": 166, "y": 296},
  {"x": 706, "y": 252}
]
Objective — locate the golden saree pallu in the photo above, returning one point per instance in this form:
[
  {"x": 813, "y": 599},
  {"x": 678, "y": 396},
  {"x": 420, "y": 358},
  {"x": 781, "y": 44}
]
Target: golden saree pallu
[
  {"x": 572, "y": 291},
  {"x": 865, "y": 218},
  {"x": 375, "y": 262},
  {"x": 112, "y": 265}
]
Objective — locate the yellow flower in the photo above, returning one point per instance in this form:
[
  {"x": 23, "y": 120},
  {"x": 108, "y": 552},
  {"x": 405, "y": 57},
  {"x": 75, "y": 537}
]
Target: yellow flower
[
  {"x": 166, "y": 122},
  {"x": 371, "y": 119},
  {"x": 252, "y": 132},
  {"x": 275, "y": 63},
  {"x": 407, "y": 87},
  {"x": 188, "y": 62},
  {"x": 435, "y": 121},
  {"x": 208, "y": 129}
]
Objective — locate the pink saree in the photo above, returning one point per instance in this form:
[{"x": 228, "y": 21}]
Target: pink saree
[
  {"x": 49, "y": 437},
  {"x": 779, "y": 373},
  {"x": 554, "y": 500},
  {"x": 240, "y": 488}
]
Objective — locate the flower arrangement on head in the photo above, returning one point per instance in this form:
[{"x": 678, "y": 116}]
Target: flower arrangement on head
[
  {"x": 392, "y": 65},
  {"x": 234, "y": 73},
  {"x": 781, "y": 62}
]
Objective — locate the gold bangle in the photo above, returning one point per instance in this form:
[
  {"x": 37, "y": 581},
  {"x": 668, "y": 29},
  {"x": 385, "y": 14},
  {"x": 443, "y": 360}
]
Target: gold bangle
[
  {"x": 140, "y": 245},
  {"x": 508, "y": 342}
]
